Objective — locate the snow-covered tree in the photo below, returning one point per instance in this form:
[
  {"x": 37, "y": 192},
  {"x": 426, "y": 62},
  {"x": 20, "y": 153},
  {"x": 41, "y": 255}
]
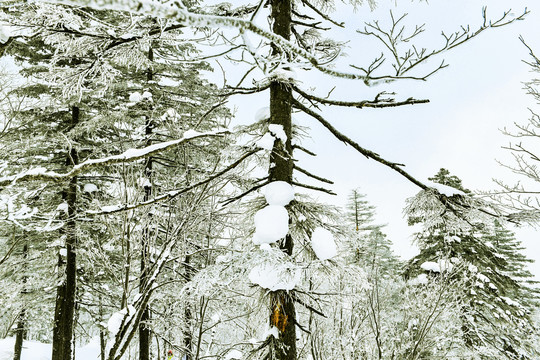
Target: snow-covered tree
[
  {"x": 494, "y": 283},
  {"x": 290, "y": 239}
]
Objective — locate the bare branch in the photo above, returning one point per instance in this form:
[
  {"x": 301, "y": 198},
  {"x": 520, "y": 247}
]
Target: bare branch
[
  {"x": 305, "y": 172},
  {"x": 367, "y": 153},
  {"x": 378, "y": 102}
]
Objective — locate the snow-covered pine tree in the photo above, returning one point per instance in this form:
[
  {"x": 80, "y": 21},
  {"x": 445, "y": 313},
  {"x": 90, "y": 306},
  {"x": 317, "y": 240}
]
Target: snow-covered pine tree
[
  {"x": 485, "y": 259},
  {"x": 169, "y": 101}
]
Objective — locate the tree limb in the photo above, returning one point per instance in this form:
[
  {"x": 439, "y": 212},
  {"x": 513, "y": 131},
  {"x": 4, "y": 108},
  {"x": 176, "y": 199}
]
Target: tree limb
[{"x": 127, "y": 156}]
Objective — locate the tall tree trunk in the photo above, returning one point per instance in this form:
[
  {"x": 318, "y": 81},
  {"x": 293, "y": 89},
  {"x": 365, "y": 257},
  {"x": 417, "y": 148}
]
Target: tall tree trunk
[
  {"x": 62, "y": 348},
  {"x": 282, "y": 305},
  {"x": 21, "y": 323},
  {"x": 144, "y": 330},
  {"x": 188, "y": 315},
  {"x": 102, "y": 335}
]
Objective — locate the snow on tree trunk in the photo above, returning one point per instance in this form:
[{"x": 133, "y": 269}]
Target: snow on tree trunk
[
  {"x": 62, "y": 348},
  {"x": 144, "y": 327},
  {"x": 282, "y": 306},
  {"x": 21, "y": 323}
]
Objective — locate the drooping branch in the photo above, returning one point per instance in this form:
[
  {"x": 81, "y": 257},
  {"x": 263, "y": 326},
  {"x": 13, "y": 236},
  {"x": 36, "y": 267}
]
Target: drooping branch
[
  {"x": 311, "y": 187},
  {"x": 309, "y": 152},
  {"x": 127, "y": 156},
  {"x": 174, "y": 193},
  {"x": 367, "y": 153},
  {"x": 321, "y": 14},
  {"x": 307, "y": 173},
  {"x": 249, "y": 191}
]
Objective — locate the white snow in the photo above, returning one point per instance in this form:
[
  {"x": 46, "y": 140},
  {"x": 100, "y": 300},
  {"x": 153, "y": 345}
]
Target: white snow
[
  {"x": 165, "y": 81},
  {"x": 36, "y": 171},
  {"x": 278, "y": 193},
  {"x": 266, "y": 142},
  {"x": 63, "y": 252},
  {"x": 144, "y": 182},
  {"x": 482, "y": 277},
  {"x": 116, "y": 319},
  {"x": 278, "y": 132},
  {"x": 191, "y": 133},
  {"x": 5, "y": 33},
  {"x": 275, "y": 132},
  {"x": 444, "y": 189},
  {"x": 24, "y": 212},
  {"x": 35, "y": 350},
  {"x": 127, "y": 36},
  {"x": 453, "y": 238},
  {"x": 170, "y": 114},
  {"x": 445, "y": 265},
  {"x": 90, "y": 188},
  {"x": 510, "y": 301},
  {"x": 262, "y": 114},
  {"x": 271, "y": 224},
  {"x": 283, "y": 75},
  {"x": 275, "y": 276},
  {"x": 266, "y": 247},
  {"x": 323, "y": 244},
  {"x": 135, "y": 97},
  {"x": 63, "y": 207},
  {"x": 419, "y": 280},
  {"x": 431, "y": 266},
  {"x": 110, "y": 208},
  {"x": 234, "y": 354},
  {"x": 273, "y": 331},
  {"x": 147, "y": 95},
  {"x": 473, "y": 268}
]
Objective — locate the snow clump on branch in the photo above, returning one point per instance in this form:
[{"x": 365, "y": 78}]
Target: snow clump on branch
[
  {"x": 445, "y": 189},
  {"x": 272, "y": 222},
  {"x": 5, "y": 33},
  {"x": 278, "y": 193},
  {"x": 281, "y": 276},
  {"x": 323, "y": 244}
]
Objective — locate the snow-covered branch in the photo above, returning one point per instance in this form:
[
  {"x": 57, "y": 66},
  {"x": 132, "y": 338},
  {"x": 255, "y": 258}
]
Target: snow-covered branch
[
  {"x": 130, "y": 155},
  {"x": 174, "y": 193}
]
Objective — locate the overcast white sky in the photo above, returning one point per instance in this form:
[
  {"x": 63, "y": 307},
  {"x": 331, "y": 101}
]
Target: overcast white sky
[{"x": 480, "y": 93}]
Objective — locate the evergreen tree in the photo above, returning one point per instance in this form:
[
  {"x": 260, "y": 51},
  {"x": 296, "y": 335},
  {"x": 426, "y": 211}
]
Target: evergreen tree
[
  {"x": 162, "y": 111},
  {"x": 497, "y": 301}
]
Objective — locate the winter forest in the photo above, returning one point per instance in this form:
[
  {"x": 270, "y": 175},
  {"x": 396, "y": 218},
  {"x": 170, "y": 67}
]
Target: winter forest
[{"x": 144, "y": 215}]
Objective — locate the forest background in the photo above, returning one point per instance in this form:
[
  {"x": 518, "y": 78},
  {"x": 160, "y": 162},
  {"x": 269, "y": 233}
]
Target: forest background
[{"x": 130, "y": 241}]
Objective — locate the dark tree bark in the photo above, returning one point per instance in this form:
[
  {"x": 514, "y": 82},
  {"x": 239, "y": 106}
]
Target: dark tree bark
[
  {"x": 144, "y": 330},
  {"x": 20, "y": 332},
  {"x": 188, "y": 315},
  {"x": 283, "y": 315},
  {"x": 102, "y": 334},
  {"x": 62, "y": 348}
]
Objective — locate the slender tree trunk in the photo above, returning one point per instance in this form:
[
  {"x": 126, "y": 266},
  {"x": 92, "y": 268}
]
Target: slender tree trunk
[
  {"x": 188, "y": 315},
  {"x": 62, "y": 348},
  {"x": 283, "y": 315},
  {"x": 144, "y": 330},
  {"x": 21, "y": 323},
  {"x": 102, "y": 335}
]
